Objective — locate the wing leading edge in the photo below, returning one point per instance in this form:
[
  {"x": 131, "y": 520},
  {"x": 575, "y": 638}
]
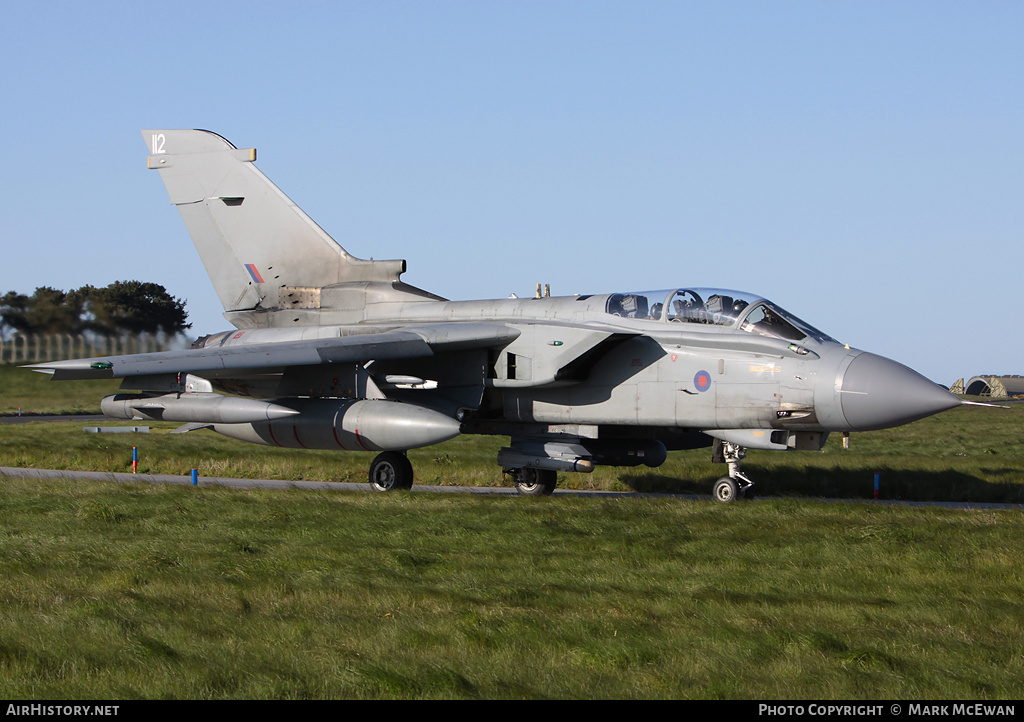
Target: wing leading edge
[{"x": 415, "y": 342}]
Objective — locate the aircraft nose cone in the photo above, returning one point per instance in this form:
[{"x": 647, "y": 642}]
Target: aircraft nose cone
[{"x": 878, "y": 393}]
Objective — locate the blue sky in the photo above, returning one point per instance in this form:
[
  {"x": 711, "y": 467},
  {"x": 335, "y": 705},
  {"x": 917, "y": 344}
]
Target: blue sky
[{"x": 860, "y": 163}]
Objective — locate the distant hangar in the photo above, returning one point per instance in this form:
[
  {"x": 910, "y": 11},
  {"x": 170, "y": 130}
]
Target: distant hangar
[{"x": 998, "y": 386}]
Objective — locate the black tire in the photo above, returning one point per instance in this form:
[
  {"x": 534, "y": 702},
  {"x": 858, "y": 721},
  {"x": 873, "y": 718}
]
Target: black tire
[
  {"x": 389, "y": 471},
  {"x": 535, "y": 482},
  {"x": 726, "y": 490}
]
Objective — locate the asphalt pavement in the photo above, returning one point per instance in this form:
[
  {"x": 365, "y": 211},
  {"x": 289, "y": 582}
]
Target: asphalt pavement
[{"x": 8, "y": 471}]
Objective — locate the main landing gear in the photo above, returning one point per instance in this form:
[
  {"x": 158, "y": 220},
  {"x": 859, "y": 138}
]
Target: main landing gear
[
  {"x": 736, "y": 485},
  {"x": 391, "y": 470},
  {"x": 534, "y": 482}
]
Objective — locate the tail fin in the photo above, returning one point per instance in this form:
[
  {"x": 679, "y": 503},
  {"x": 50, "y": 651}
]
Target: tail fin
[{"x": 258, "y": 247}]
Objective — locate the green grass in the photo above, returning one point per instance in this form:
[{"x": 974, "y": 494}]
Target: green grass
[
  {"x": 36, "y": 393},
  {"x": 155, "y": 591}
]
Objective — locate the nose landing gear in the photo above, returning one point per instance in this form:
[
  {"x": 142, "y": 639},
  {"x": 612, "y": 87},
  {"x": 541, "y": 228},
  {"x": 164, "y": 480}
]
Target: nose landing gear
[{"x": 736, "y": 485}]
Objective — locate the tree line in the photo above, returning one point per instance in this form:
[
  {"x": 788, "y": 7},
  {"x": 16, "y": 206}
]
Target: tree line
[{"x": 122, "y": 308}]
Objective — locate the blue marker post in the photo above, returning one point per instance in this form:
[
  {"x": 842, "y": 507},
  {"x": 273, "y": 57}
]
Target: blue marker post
[
  {"x": 877, "y": 477},
  {"x": 135, "y": 459},
  {"x": 195, "y": 477}
]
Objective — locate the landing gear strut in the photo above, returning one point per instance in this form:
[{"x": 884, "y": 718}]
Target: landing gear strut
[
  {"x": 736, "y": 485},
  {"x": 534, "y": 482}
]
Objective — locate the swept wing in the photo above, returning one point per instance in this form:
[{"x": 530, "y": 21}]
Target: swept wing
[{"x": 414, "y": 342}]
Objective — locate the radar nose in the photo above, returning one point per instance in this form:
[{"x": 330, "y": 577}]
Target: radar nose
[{"x": 878, "y": 393}]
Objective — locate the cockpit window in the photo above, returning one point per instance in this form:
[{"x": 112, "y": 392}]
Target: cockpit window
[
  {"x": 768, "y": 319},
  {"x": 686, "y": 305},
  {"x": 713, "y": 307},
  {"x": 636, "y": 305},
  {"x": 765, "y": 321}
]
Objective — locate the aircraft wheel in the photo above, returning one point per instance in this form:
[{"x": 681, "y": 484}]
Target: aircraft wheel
[
  {"x": 391, "y": 470},
  {"x": 726, "y": 489},
  {"x": 535, "y": 482}
]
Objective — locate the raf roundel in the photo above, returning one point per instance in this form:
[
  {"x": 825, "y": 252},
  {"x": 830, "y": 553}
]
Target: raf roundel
[{"x": 702, "y": 381}]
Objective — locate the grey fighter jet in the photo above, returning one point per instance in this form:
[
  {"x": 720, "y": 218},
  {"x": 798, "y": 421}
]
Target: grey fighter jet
[{"x": 330, "y": 351}]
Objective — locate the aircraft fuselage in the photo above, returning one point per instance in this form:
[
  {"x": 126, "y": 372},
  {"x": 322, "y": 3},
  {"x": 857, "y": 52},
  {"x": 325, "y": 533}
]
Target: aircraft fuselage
[{"x": 575, "y": 360}]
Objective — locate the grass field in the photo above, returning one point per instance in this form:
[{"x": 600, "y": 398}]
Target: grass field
[
  {"x": 36, "y": 393},
  {"x": 158, "y": 591}
]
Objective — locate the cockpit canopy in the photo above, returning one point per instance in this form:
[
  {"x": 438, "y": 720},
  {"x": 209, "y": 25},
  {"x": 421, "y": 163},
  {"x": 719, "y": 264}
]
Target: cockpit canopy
[{"x": 716, "y": 307}]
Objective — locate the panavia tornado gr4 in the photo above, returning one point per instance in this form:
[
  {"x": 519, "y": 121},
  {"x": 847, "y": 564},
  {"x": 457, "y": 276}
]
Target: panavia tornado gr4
[{"x": 330, "y": 351}]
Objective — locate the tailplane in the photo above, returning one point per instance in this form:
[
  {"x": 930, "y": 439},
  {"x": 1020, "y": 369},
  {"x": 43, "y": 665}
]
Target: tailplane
[{"x": 262, "y": 252}]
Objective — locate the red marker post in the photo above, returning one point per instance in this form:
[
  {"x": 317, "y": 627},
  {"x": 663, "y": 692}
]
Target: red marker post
[{"x": 135, "y": 459}]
